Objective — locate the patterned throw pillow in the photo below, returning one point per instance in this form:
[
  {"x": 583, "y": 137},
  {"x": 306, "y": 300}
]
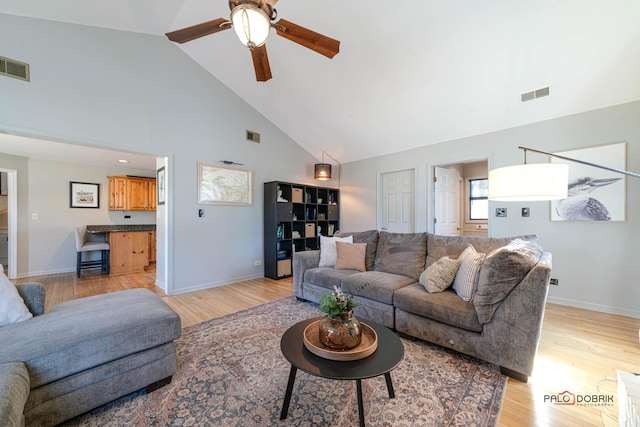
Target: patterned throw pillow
[
  {"x": 467, "y": 276},
  {"x": 440, "y": 275},
  {"x": 328, "y": 249},
  {"x": 350, "y": 256}
]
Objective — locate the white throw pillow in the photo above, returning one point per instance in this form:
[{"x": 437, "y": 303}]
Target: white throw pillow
[
  {"x": 12, "y": 308},
  {"x": 467, "y": 275},
  {"x": 328, "y": 249}
]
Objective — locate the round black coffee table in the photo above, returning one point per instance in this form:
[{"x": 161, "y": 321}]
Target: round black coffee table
[{"x": 387, "y": 357}]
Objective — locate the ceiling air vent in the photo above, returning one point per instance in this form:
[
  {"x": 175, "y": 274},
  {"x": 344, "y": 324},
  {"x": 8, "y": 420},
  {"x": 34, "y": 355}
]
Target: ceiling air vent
[
  {"x": 534, "y": 94},
  {"x": 253, "y": 136},
  {"x": 12, "y": 68}
]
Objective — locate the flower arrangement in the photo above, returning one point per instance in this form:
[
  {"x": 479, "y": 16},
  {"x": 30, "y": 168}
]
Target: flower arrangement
[{"x": 336, "y": 302}]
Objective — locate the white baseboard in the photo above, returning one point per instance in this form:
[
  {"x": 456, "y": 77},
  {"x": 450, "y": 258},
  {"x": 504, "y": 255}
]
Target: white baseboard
[
  {"x": 209, "y": 285},
  {"x": 595, "y": 307},
  {"x": 45, "y": 273}
]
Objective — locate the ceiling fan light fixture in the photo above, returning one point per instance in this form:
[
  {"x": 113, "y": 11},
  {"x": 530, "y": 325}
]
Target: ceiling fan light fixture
[{"x": 251, "y": 25}]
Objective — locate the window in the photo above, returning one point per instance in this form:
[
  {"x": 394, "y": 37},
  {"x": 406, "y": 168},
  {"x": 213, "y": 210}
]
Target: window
[{"x": 478, "y": 201}]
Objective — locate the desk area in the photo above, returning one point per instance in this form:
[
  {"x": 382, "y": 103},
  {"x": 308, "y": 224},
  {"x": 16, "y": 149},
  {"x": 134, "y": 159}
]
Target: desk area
[{"x": 132, "y": 246}]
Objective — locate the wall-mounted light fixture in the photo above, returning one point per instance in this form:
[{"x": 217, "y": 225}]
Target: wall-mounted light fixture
[{"x": 536, "y": 181}]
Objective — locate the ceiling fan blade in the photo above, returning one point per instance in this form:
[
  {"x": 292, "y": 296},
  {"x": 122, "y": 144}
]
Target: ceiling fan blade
[
  {"x": 322, "y": 44},
  {"x": 200, "y": 30},
  {"x": 261, "y": 63}
]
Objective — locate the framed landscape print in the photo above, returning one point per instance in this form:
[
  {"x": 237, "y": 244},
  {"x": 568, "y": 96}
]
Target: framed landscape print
[
  {"x": 84, "y": 195},
  {"x": 594, "y": 194},
  {"x": 224, "y": 185}
]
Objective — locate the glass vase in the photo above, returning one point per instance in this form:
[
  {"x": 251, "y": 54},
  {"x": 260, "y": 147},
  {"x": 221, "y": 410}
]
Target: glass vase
[{"x": 340, "y": 332}]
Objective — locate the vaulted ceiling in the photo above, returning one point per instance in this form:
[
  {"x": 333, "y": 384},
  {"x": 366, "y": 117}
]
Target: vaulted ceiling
[{"x": 408, "y": 73}]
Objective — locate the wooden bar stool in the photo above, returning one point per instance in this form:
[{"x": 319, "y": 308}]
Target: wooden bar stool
[{"x": 82, "y": 245}]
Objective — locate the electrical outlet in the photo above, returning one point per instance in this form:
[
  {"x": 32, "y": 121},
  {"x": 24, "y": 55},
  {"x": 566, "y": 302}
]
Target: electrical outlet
[
  {"x": 525, "y": 212},
  {"x": 258, "y": 262},
  {"x": 553, "y": 282}
]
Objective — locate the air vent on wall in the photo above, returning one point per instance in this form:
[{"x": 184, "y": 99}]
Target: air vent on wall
[
  {"x": 534, "y": 94},
  {"x": 12, "y": 68},
  {"x": 253, "y": 136}
]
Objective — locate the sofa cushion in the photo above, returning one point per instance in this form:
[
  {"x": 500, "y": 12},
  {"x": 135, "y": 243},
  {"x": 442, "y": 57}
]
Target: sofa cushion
[
  {"x": 501, "y": 271},
  {"x": 439, "y": 246},
  {"x": 440, "y": 275},
  {"x": 14, "y": 391},
  {"x": 467, "y": 276},
  {"x": 90, "y": 331},
  {"x": 401, "y": 253},
  {"x": 326, "y": 277},
  {"x": 445, "y": 307},
  {"x": 376, "y": 285},
  {"x": 350, "y": 256},
  {"x": 369, "y": 237},
  {"x": 328, "y": 249},
  {"x": 12, "y": 306}
]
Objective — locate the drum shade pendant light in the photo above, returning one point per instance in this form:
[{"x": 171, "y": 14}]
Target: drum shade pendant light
[
  {"x": 537, "y": 181},
  {"x": 322, "y": 170}
]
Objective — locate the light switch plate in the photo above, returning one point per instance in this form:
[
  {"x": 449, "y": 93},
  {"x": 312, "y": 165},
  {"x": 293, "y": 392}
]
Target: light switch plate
[{"x": 501, "y": 212}]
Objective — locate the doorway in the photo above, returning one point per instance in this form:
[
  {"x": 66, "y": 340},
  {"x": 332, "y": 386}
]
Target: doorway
[
  {"x": 460, "y": 204},
  {"x": 398, "y": 201},
  {"x": 8, "y": 221},
  {"x": 447, "y": 190}
]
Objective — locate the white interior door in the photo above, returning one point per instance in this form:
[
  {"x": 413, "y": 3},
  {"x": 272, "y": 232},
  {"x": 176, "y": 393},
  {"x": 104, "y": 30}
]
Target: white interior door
[
  {"x": 398, "y": 202},
  {"x": 447, "y": 202}
]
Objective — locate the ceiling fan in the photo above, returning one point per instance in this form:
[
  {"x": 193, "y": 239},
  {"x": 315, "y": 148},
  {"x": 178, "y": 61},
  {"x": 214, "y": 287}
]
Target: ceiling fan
[{"x": 252, "y": 20}]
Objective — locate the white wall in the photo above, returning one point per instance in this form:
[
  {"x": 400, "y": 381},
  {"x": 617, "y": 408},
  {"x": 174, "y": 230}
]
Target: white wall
[
  {"x": 141, "y": 93},
  {"x": 596, "y": 263}
]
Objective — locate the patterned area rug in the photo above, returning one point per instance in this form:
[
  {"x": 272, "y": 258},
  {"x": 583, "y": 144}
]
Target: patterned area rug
[{"x": 231, "y": 373}]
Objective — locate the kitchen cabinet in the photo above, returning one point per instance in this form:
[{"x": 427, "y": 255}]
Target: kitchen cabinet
[
  {"x": 117, "y": 193},
  {"x": 129, "y": 251},
  {"x": 127, "y": 193},
  {"x": 152, "y": 246}
]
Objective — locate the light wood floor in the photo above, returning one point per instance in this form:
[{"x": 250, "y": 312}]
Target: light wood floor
[{"x": 578, "y": 348}]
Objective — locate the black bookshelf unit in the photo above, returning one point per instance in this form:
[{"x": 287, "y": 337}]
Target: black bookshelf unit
[{"x": 294, "y": 216}]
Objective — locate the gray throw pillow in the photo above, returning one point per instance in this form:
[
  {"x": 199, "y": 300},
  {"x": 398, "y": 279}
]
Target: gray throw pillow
[
  {"x": 501, "y": 272},
  {"x": 439, "y": 275},
  {"x": 401, "y": 253}
]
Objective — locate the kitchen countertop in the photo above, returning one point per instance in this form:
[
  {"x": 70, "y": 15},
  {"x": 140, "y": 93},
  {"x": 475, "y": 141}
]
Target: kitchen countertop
[{"x": 118, "y": 228}]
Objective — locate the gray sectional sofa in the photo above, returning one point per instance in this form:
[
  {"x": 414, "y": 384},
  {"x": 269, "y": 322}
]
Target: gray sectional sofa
[
  {"x": 83, "y": 353},
  {"x": 500, "y": 324}
]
